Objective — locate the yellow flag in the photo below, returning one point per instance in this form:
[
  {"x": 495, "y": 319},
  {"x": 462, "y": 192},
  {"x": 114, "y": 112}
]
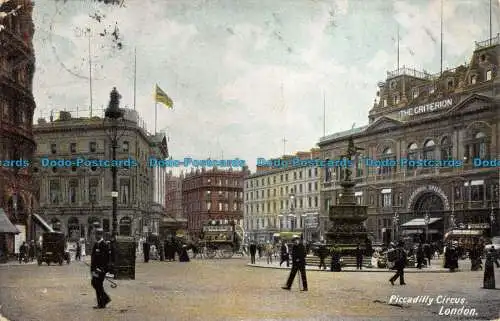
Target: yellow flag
[{"x": 162, "y": 97}]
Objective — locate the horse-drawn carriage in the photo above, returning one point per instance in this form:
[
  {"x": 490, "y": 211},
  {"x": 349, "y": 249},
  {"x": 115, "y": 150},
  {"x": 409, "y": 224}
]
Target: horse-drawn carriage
[{"x": 219, "y": 240}]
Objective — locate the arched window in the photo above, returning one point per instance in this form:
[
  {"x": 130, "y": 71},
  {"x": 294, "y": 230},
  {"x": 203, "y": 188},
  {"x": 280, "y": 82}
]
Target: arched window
[
  {"x": 386, "y": 157},
  {"x": 479, "y": 146},
  {"x": 429, "y": 149},
  {"x": 446, "y": 148},
  {"x": 412, "y": 153}
]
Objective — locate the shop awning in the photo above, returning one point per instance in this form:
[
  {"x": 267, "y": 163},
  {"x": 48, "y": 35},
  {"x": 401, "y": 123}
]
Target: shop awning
[
  {"x": 419, "y": 222},
  {"x": 6, "y": 225},
  {"x": 419, "y": 231},
  {"x": 41, "y": 222}
]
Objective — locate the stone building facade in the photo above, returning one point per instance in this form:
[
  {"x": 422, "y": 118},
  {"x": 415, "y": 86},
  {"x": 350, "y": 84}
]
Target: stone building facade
[
  {"x": 453, "y": 116},
  {"x": 174, "y": 221},
  {"x": 283, "y": 199},
  {"x": 78, "y": 198},
  {"x": 212, "y": 194},
  {"x": 17, "y": 106}
]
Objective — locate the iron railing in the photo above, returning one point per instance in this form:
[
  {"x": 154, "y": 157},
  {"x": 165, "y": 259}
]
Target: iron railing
[{"x": 489, "y": 42}]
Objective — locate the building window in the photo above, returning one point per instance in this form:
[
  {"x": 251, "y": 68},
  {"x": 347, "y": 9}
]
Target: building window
[
  {"x": 396, "y": 99},
  {"x": 281, "y": 178},
  {"x": 300, "y": 188},
  {"x": 235, "y": 206},
  {"x": 479, "y": 146},
  {"x": 359, "y": 166},
  {"x": 72, "y": 148},
  {"x": 415, "y": 93},
  {"x": 429, "y": 149},
  {"x": 300, "y": 175},
  {"x": 92, "y": 147},
  {"x": 315, "y": 201},
  {"x": 310, "y": 172},
  {"x": 286, "y": 177},
  {"x": 446, "y": 148},
  {"x": 124, "y": 191},
  {"x": 209, "y": 193},
  {"x": 55, "y": 192},
  {"x": 387, "y": 200},
  {"x": 226, "y": 207},
  {"x": 73, "y": 188},
  {"x": 489, "y": 75},
  {"x": 412, "y": 153},
  {"x": 309, "y": 187},
  {"x": 450, "y": 83},
  {"x": 309, "y": 202},
  {"x": 473, "y": 79},
  {"x": 53, "y": 148},
  {"x": 93, "y": 190},
  {"x": 220, "y": 207},
  {"x": 477, "y": 193},
  {"x": 387, "y": 156},
  {"x": 359, "y": 200},
  {"x": 125, "y": 147}
]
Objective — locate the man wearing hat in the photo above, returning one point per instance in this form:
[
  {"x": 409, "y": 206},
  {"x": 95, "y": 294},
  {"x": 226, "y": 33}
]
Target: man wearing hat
[
  {"x": 98, "y": 267},
  {"x": 298, "y": 264},
  {"x": 399, "y": 264}
]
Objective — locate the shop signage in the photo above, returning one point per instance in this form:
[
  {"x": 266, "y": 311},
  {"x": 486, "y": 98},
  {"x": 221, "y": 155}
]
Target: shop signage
[
  {"x": 479, "y": 226},
  {"x": 426, "y": 189},
  {"x": 427, "y": 108},
  {"x": 217, "y": 228}
]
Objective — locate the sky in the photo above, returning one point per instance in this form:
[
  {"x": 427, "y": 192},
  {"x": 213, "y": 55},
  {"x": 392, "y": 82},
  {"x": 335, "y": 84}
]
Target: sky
[{"x": 244, "y": 75}]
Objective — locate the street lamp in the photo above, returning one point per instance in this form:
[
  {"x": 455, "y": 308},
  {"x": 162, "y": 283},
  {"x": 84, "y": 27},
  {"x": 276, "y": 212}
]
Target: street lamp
[
  {"x": 427, "y": 220},
  {"x": 395, "y": 225},
  {"x": 113, "y": 115}
]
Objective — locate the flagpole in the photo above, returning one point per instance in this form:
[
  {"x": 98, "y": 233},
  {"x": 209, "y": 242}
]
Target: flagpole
[
  {"x": 441, "y": 37},
  {"x": 398, "y": 47},
  {"x": 135, "y": 75},
  {"x": 491, "y": 32},
  {"x": 324, "y": 115},
  {"x": 156, "y": 114},
  {"x": 90, "y": 78}
]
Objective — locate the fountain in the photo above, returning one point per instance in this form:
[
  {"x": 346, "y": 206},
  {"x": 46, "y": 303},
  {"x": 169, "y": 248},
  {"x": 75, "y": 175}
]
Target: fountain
[{"x": 347, "y": 230}]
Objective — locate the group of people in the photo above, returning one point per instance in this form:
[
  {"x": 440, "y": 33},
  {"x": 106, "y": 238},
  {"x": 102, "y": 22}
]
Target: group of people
[
  {"x": 171, "y": 247},
  {"x": 28, "y": 252}
]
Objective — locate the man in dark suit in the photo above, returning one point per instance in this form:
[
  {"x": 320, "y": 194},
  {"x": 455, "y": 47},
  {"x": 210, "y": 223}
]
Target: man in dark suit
[
  {"x": 253, "y": 250},
  {"x": 399, "y": 265},
  {"x": 285, "y": 256},
  {"x": 298, "y": 264},
  {"x": 359, "y": 258},
  {"x": 98, "y": 267}
]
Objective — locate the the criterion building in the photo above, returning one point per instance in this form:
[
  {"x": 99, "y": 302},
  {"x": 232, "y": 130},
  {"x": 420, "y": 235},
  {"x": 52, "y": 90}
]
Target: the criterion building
[{"x": 453, "y": 116}]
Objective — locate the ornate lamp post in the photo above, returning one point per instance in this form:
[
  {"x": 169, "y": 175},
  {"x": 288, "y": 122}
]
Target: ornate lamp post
[
  {"x": 427, "y": 220},
  {"x": 113, "y": 116},
  {"x": 395, "y": 225}
]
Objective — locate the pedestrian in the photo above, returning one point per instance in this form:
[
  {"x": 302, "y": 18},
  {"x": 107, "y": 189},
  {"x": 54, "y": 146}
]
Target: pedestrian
[
  {"x": 284, "y": 254},
  {"x": 269, "y": 252},
  {"x": 359, "y": 258},
  {"x": 335, "y": 265},
  {"x": 420, "y": 256},
  {"x": 99, "y": 265},
  {"x": 23, "y": 252},
  {"x": 260, "y": 249},
  {"x": 399, "y": 265},
  {"x": 146, "y": 247},
  {"x": 253, "y": 250},
  {"x": 184, "y": 257},
  {"x": 32, "y": 250},
  {"x": 489, "y": 268},
  {"x": 429, "y": 252},
  {"x": 322, "y": 254},
  {"x": 298, "y": 265},
  {"x": 78, "y": 254},
  {"x": 451, "y": 258}
]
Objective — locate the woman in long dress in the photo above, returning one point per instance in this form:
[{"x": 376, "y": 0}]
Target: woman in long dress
[{"x": 489, "y": 269}]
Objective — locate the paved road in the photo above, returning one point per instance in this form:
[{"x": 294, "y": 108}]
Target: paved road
[{"x": 231, "y": 290}]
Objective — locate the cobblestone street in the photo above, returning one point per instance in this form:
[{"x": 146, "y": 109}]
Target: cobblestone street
[{"x": 231, "y": 290}]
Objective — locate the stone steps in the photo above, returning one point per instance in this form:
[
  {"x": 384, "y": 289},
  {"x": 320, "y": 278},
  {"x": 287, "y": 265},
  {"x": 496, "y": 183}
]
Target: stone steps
[{"x": 346, "y": 260}]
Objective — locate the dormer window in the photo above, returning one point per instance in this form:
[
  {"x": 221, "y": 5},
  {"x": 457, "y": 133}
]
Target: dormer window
[
  {"x": 414, "y": 93},
  {"x": 473, "y": 79},
  {"x": 393, "y": 84},
  {"x": 450, "y": 83},
  {"x": 489, "y": 75},
  {"x": 396, "y": 99}
]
